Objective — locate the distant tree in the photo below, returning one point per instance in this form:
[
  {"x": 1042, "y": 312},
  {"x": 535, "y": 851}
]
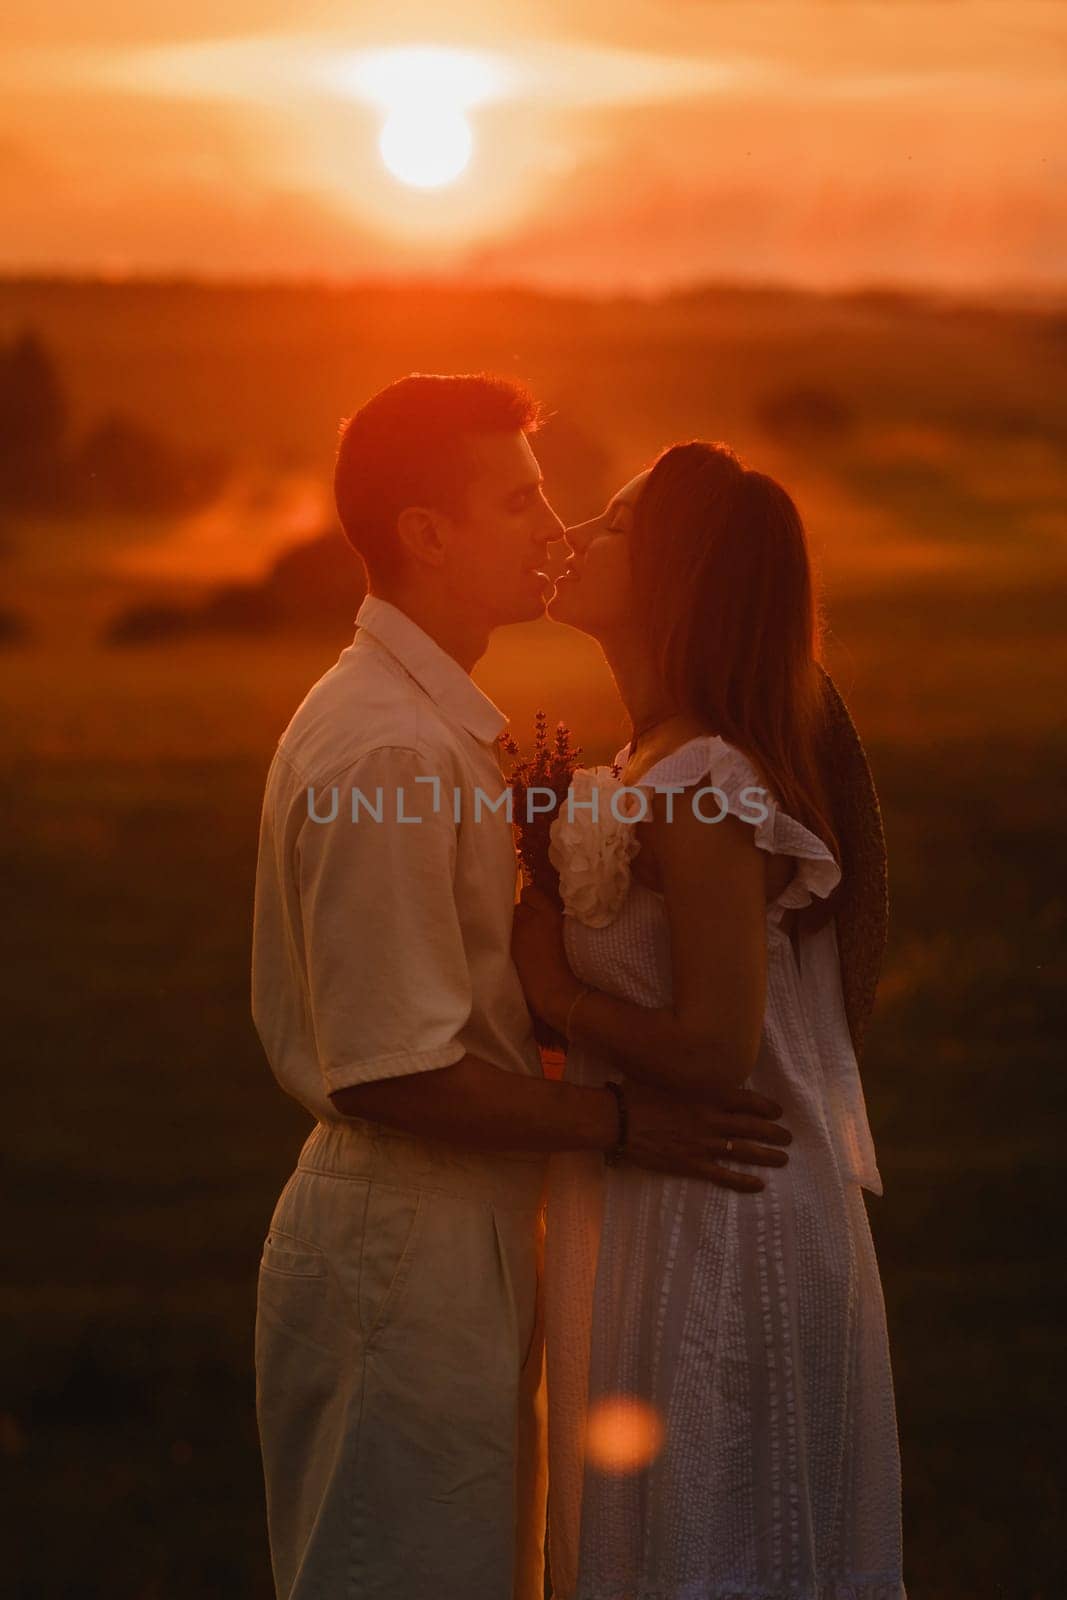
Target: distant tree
[
  {"x": 317, "y": 579},
  {"x": 313, "y": 587},
  {"x": 14, "y": 627},
  {"x": 147, "y": 623},
  {"x": 33, "y": 424},
  {"x": 121, "y": 465},
  {"x": 803, "y": 413},
  {"x": 124, "y": 466}
]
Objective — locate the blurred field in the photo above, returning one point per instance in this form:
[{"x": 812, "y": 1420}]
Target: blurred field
[{"x": 146, "y": 1140}]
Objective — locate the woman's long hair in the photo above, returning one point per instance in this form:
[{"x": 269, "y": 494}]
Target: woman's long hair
[{"x": 723, "y": 580}]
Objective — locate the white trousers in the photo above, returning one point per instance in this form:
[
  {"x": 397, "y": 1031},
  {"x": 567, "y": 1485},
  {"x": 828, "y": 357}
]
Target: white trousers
[{"x": 399, "y": 1364}]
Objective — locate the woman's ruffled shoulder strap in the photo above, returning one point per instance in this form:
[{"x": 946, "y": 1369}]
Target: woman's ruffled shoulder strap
[{"x": 725, "y": 782}]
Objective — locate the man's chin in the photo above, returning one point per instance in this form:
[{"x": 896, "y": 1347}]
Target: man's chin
[
  {"x": 530, "y": 607},
  {"x": 559, "y": 608}
]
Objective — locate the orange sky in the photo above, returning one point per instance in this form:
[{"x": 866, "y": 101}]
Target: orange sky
[{"x": 636, "y": 145}]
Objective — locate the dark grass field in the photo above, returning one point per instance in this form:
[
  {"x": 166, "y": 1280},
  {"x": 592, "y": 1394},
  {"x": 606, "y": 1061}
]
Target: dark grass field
[
  {"x": 148, "y": 1145},
  {"x": 145, "y": 1141}
]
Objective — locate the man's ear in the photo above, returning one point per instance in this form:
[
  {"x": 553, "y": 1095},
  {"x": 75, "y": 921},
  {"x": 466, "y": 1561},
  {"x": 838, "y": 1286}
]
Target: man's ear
[{"x": 419, "y": 531}]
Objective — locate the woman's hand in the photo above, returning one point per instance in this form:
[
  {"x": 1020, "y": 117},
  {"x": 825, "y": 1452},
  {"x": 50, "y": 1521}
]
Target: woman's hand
[{"x": 538, "y": 952}]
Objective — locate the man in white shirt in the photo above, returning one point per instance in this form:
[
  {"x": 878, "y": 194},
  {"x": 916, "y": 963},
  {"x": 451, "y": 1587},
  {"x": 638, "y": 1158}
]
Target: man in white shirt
[{"x": 398, "y": 1343}]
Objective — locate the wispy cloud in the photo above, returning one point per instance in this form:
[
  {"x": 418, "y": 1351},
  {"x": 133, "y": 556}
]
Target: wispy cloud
[
  {"x": 293, "y": 69},
  {"x": 296, "y": 67}
]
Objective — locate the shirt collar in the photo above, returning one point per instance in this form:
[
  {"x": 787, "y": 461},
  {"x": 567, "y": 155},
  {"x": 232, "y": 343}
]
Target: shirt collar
[{"x": 433, "y": 669}]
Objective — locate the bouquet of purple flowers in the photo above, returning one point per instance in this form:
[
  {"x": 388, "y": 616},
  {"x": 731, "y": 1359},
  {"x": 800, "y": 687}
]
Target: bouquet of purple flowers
[{"x": 549, "y": 770}]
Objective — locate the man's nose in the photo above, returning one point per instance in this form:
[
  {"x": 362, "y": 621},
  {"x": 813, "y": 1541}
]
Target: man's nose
[{"x": 554, "y": 528}]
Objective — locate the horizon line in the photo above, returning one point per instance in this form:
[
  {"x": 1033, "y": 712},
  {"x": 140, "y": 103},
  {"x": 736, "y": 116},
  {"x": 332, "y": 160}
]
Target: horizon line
[{"x": 1020, "y": 293}]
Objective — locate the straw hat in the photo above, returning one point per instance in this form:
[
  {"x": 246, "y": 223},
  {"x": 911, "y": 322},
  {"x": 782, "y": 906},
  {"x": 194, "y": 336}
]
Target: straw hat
[{"x": 861, "y": 901}]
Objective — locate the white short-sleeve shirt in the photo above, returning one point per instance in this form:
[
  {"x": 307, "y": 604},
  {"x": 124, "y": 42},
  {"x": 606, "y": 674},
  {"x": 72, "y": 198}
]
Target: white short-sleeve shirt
[{"x": 386, "y": 881}]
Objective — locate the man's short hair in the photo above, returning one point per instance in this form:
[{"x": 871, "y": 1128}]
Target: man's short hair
[{"x": 407, "y": 447}]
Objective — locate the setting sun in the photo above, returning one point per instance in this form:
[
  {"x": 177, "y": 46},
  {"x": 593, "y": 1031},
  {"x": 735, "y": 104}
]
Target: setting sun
[
  {"x": 427, "y": 139},
  {"x": 426, "y": 146}
]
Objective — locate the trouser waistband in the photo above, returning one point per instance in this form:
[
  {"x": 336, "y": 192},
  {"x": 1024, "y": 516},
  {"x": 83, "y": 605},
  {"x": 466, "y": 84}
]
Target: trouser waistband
[{"x": 357, "y": 1149}]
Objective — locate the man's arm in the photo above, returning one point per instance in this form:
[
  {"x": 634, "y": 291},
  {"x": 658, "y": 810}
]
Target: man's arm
[
  {"x": 476, "y": 1105},
  {"x": 390, "y": 994}
]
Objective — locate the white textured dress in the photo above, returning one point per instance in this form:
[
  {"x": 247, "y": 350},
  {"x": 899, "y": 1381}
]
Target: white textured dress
[{"x": 754, "y": 1324}]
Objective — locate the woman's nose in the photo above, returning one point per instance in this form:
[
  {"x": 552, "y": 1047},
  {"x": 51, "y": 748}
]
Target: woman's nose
[{"x": 579, "y": 536}]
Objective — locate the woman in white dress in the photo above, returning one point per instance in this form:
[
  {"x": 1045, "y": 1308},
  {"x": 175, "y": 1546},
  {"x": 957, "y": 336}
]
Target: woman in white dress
[{"x": 721, "y": 1412}]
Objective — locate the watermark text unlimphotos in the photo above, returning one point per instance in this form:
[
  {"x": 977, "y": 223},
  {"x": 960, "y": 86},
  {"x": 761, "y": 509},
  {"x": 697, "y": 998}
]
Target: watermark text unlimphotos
[{"x": 627, "y": 805}]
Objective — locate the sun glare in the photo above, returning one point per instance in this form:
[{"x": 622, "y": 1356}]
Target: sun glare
[
  {"x": 427, "y": 139},
  {"x": 623, "y": 1434},
  {"x": 426, "y": 146}
]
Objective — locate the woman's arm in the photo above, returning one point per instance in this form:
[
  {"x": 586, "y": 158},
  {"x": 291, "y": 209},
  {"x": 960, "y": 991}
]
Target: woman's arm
[{"x": 708, "y": 1040}]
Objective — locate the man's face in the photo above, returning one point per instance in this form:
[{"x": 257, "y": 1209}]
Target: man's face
[{"x": 496, "y": 543}]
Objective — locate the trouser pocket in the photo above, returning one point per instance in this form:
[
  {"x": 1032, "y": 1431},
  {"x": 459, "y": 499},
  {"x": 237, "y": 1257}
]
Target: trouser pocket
[
  {"x": 298, "y": 1299},
  {"x": 391, "y": 1225}
]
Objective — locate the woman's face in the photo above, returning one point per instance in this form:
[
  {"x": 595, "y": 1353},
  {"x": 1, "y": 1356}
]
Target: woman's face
[{"x": 594, "y": 593}]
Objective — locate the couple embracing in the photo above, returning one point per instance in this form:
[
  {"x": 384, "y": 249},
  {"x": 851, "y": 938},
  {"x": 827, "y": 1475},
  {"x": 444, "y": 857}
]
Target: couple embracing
[{"x": 701, "y": 1286}]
